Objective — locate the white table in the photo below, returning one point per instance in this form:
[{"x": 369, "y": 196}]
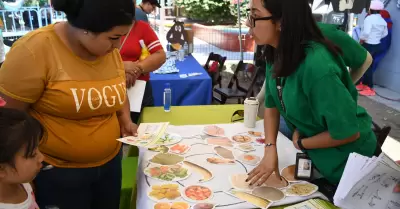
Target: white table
[{"x": 220, "y": 183}]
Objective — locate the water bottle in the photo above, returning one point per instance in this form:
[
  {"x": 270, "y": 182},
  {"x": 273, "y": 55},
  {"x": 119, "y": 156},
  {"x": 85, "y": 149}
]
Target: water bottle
[
  {"x": 169, "y": 47},
  {"x": 186, "y": 48},
  {"x": 167, "y": 97}
]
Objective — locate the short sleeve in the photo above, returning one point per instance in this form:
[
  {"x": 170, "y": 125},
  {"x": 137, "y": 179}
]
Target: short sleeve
[
  {"x": 22, "y": 75},
  {"x": 269, "y": 100},
  {"x": 150, "y": 39},
  {"x": 334, "y": 106}
]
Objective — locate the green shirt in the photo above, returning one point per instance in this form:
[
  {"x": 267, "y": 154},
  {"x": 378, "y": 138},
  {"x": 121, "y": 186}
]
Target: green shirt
[
  {"x": 320, "y": 96},
  {"x": 354, "y": 54}
]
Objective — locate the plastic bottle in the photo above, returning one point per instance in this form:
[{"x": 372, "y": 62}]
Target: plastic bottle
[
  {"x": 145, "y": 51},
  {"x": 186, "y": 48},
  {"x": 167, "y": 97}
]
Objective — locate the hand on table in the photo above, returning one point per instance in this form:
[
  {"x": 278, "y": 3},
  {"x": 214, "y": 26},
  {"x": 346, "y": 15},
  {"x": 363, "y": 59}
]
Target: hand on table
[
  {"x": 397, "y": 187},
  {"x": 295, "y": 138},
  {"x": 267, "y": 166}
]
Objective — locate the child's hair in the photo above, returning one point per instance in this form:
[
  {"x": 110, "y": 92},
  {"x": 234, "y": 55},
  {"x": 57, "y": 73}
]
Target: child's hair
[{"x": 18, "y": 129}]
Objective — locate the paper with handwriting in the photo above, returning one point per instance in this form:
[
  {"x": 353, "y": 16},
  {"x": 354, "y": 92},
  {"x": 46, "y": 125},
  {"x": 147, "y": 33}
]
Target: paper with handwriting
[{"x": 368, "y": 183}]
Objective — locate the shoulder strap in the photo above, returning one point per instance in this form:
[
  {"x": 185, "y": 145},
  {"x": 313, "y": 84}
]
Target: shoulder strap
[{"x": 126, "y": 37}]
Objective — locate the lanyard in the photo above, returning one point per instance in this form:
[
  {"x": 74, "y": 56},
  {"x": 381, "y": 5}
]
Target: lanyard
[{"x": 279, "y": 87}]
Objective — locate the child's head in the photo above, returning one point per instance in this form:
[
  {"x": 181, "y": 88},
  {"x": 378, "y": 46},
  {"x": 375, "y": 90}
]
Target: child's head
[{"x": 20, "y": 158}]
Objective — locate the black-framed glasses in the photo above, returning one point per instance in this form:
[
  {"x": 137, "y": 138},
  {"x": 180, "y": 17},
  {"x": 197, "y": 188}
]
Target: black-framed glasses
[{"x": 252, "y": 20}]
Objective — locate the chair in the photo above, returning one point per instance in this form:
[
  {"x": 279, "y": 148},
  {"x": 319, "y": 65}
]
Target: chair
[
  {"x": 128, "y": 187},
  {"x": 240, "y": 92},
  {"x": 215, "y": 76},
  {"x": 381, "y": 133}
]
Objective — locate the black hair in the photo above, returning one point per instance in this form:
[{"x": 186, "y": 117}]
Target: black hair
[
  {"x": 96, "y": 16},
  {"x": 298, "y": 28},
  {"x": 18, "y": 129},
  {"x": 148, "y": 1},
  {"x": 372, "y": 11}
]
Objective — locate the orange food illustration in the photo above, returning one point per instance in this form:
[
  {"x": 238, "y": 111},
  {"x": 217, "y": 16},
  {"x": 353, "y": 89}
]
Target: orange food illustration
[
  {"x": 221, "y": 141},
  {"x": 214, "y": 131},
  {"x": 198, "y": 193},
  {"x": 180, "y": 205},
  {"x": 179, "y": 148},
  {"x": 249, "y": 157},
  {"x": 162, "y": 205}
]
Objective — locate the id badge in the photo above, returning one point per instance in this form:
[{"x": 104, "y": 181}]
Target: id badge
[{"x": 304, "y": 167}]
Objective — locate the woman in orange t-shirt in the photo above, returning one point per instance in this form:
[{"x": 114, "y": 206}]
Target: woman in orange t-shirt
[
  {"x": 135, "y": 69},
  {"x": 70, "y": 76}
]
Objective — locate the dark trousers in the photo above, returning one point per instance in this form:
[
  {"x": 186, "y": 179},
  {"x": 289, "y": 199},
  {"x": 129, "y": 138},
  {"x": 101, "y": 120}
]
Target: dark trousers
[
  {"x": 148, "y": 101},
  {"x": 80, "y": 188},
  {"x": 368, "y": 78}
]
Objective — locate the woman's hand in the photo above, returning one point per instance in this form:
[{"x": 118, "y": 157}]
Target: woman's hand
[
  {"x": 295, "y": 138},
  {"x": 397, "y": 187},
  {"x": 128, "y": 129},
  {"x": 132, "y": 72},
  {"x": 267, "y": 166}
]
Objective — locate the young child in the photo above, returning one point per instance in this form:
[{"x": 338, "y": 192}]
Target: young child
[{"x": 20, "y": 158}]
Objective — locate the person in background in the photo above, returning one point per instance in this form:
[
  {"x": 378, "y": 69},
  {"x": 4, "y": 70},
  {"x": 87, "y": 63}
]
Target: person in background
[
  {"x": 20, "y": 158},
  {"x": 2, "y": 52},
  {"x": 140, "y": 69},
  {"x": 146, "y": 7},
  {"x": 356, "y": 57},
  {"x": 307, "y": 82},
  {"x": 375, "y": 28},
  {"x": 71, "y": 78}
]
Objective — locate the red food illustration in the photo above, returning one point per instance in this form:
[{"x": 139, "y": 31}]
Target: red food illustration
[{"x": 198, "y": 193}]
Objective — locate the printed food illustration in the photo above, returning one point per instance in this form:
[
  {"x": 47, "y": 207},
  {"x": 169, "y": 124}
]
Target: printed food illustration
[
  {"x": 274, "y": 181},
  {"x": 167, "y": 173},
  {"x": 269, "y": 193},
  {"x": 246, "y": 147},
  {"x": 249, "y": 159},
  {"x": 204, "y": 206},
  {"x": 166, "y": 159},
  {"x": 162, "y": 205},
  {"x": 241, "y": 139},
  {"x": 288, "y": 173},
  {"x": 169, "y": 139},
  {"x": 179, "y": 148},
  {"x": 214, "y": 131},
  {"x": 223, "y": 152},
  {"x": 146, "y": 136},
  {"x": 257, "y": 201},
  {"x": 161, "y": 148},
  {"x": 254, "y": 133},
  {"x": 207, "y": 175},
  {"x": 167, "y": 191},
  {"x": 180, "y": 205},
  {"x": 301, "y": 189},
  {"x": 220, "y": 141},
  {"x": 220, "y": 161},
  {"x": 198, "y": 193},
  {"x": 260, "y": 140},
  {"x": 238, "y": 181}
]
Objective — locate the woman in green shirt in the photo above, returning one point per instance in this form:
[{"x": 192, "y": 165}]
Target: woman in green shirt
[{"x": 307, "y": 83}]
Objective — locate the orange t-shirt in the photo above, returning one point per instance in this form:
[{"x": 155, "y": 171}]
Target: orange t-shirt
[{"x": 75, "y": 100}]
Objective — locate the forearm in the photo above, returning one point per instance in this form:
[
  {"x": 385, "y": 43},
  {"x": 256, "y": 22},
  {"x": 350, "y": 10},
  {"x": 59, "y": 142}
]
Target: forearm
[
  {"x": 358, "y": 73},
  {"x": 271, "y": 125},
  {"x": 153, "y": 62},
  {"x": 324, "y": 140},
  {"x": 124, "y": 114}
]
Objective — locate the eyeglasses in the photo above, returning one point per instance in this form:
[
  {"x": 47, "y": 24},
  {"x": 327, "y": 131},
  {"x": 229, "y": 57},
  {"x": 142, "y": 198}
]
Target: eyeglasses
[{"x": 252, "y": 20}]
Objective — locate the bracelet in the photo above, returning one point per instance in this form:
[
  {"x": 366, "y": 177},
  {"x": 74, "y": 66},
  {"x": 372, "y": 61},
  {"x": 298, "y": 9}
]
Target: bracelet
[
  {"x": 300, "y": 143},
  {"x": 269, "y": 145}
]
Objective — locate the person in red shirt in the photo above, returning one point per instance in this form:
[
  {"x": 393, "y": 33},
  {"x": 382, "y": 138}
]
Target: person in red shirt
[{"x": 134, "y": 69}]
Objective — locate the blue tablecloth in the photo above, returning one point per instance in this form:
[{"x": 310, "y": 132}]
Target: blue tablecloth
[{"x": 195, "y": 90}]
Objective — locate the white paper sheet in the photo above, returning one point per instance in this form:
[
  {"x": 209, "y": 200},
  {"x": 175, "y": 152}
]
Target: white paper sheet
[{"x": 135, "y": 95}]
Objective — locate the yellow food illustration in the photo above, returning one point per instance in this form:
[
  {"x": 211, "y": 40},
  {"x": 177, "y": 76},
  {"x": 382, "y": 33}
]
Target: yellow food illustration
[
  {"x": 168, "y": 191},
  {"x": 257, "y": 201},
  {"x": 207, "y": 175},
  {"x": 162, "y": 205},
  {"x": 176, "y": 46},
  {"x": 180, "y": 205},
  {"x": 302, "y": 189}
]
